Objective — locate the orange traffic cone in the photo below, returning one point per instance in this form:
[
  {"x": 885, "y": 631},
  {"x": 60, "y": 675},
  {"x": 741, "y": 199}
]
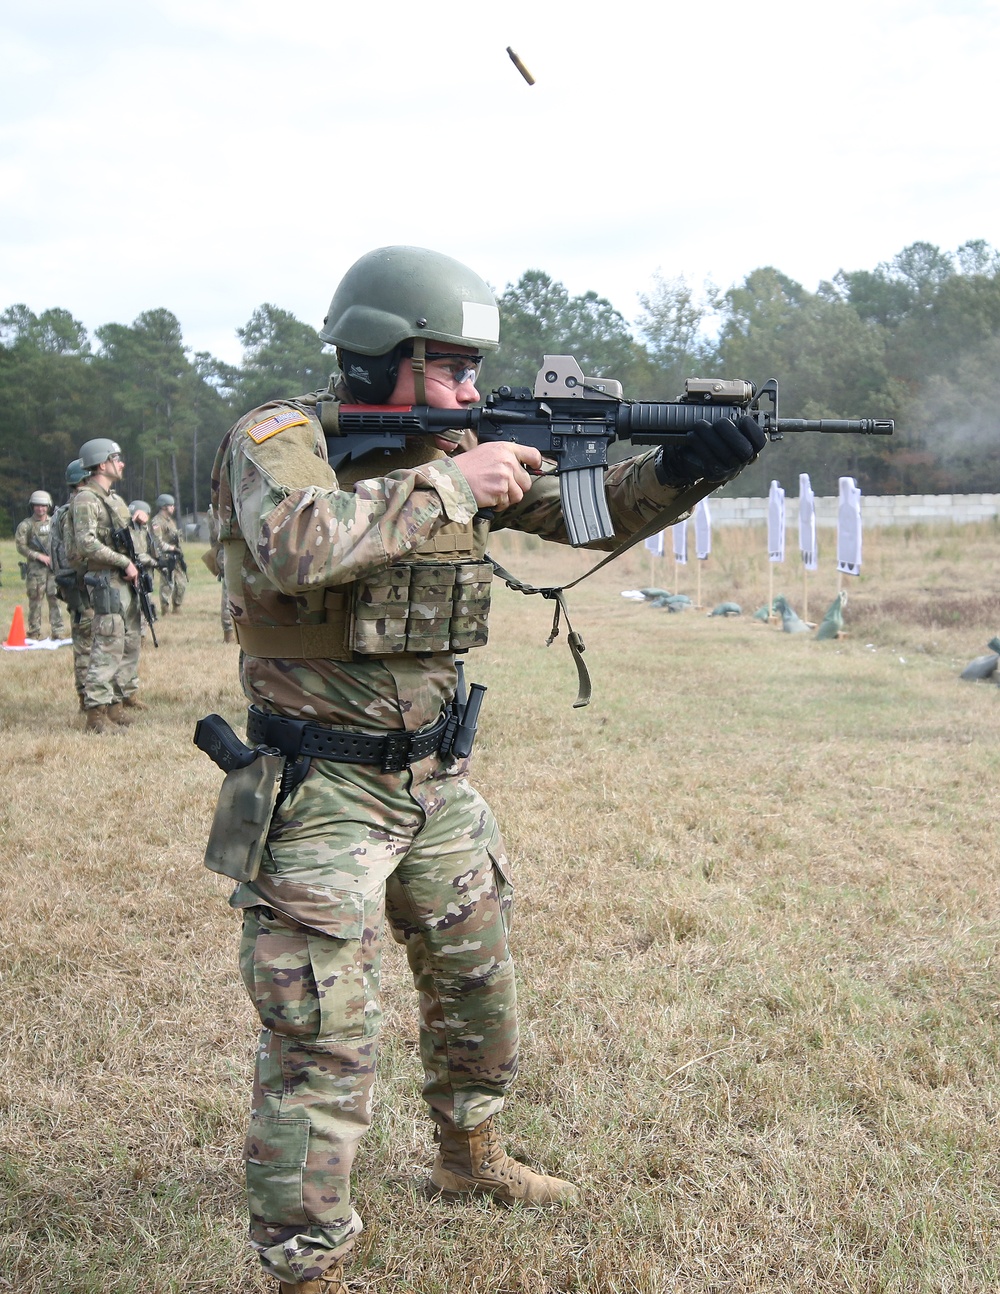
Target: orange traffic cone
[{"x": 16, "y": 636}]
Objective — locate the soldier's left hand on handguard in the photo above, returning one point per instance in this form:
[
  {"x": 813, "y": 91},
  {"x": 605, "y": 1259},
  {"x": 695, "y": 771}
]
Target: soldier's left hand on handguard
[{"x": 710, "y": 451}]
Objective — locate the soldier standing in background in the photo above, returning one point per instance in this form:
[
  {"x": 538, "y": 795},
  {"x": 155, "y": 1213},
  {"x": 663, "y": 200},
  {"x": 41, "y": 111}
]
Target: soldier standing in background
[
  {"x": 173, "y": 568},
  {"x": 32, "y": 540},
  {"x": 67, "y": 571},
  {"x": 145, "y": 550},
  {"x": 112, "y": 676}
]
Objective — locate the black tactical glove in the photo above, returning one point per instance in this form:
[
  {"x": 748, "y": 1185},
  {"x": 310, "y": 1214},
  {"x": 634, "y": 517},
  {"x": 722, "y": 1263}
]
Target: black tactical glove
[{"x": 710, "y": 451}]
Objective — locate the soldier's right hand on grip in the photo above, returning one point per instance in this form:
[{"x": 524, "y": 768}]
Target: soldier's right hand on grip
[{"x": 710, "y": 451}]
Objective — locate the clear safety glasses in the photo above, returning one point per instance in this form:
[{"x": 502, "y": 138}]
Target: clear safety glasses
[{"x": 453, "y": 369}]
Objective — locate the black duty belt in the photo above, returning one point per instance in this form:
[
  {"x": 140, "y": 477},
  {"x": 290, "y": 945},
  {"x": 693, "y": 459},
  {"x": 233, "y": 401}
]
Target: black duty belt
[{"x": 392, "y": 751}]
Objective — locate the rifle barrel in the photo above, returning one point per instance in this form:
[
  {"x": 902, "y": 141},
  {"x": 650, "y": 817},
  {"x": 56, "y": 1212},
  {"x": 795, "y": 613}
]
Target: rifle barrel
[{"x": 864, "y": 426}]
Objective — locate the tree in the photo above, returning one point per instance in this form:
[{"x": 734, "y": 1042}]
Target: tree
[
  {"x": 48, "y": 397},
  {"x": 829, "y": 363},
  {"x": 539, "y": 317},
  {"x": 671, "y": 326},
  {"x": 157, "y": 402},
  {"x": 282, "y": 358},
  {"x": 145, "y": 368}
]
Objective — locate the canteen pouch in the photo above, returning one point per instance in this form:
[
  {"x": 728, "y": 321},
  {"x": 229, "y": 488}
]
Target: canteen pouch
[
  {"x": 105, "y": 600},
  {"x": 243, "y": 817}
]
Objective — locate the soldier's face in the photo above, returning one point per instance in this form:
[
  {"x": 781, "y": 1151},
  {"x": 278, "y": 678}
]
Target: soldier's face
[
  {"x": 40, "y": 511},
  {"x": 442, "y": 391},
  {"x": 114, "y": 467}
]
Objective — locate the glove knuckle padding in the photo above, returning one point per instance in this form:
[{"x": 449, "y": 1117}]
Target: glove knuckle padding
[{"x": 754, "y": 434}]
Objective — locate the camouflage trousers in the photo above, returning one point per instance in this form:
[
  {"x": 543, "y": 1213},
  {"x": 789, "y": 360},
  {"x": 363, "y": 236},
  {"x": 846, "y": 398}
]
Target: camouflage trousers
[
  {"x": 41, "y": 588},
  {"x": 172, "y": 588},
  {"x": 82, "y": 632},
  {"x": 113, "y": 671},
  {"x": 350, "y": 851}
]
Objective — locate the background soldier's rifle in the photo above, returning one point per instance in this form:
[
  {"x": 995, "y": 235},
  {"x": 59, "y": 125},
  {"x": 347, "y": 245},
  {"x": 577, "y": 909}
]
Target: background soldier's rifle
[
  {"x": 123, "y": 541},
  {"x": 36, "y": 544},
  {"x": 168, "y": 562},
  {"x": 573, "y": 419}
]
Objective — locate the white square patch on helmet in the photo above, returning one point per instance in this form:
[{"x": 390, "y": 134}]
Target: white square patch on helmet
[{"x": 480, "y": 322}]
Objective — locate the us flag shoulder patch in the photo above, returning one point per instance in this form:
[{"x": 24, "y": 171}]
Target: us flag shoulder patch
[{"x": 262, "y": 431}]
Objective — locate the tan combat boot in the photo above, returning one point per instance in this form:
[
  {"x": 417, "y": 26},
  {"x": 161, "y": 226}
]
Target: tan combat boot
[
  {"x": 331, "y": 1282},
  {"x": 474, "y": 1163},
  {"x": 116, "y": 713},
  {"x": 133, "y": 703},
  {"x": 97, "y": 719}
]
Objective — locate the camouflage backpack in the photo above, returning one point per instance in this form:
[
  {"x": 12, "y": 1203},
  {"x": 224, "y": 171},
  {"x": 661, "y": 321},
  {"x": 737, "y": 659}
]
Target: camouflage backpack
[{"x": 67, "y": 564}]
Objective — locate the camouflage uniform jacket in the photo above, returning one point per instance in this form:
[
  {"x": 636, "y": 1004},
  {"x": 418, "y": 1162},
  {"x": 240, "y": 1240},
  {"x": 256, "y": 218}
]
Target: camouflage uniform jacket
[
  {"x": 142, "y": 541},
  {"x": 299, "y": 541},
  {"x": 166, "y": 536},
  {"x": 38, "y": 530},
  {"x": 96, "y": 512}
]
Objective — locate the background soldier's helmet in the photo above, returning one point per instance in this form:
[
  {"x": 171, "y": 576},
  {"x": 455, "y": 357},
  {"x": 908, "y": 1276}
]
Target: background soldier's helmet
[
  {"x": 138, "y": 505},
  {"x": 164, "y": 500},
  {"x": 40, "y": 496},
  {"x": 394, "y": 295},
  {"x": 95, "y": 452},
  {"x": 75, "y": 472}
]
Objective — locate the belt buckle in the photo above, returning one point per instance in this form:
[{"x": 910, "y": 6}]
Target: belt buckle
[{"x": 396, "y": 753}]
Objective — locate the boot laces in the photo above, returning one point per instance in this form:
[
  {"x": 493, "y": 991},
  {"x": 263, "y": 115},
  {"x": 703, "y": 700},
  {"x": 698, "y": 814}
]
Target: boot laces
[{"x": 496, "y": 1160}]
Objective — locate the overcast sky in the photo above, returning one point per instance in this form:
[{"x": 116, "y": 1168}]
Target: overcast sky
[{"x": 210, "y": 155}]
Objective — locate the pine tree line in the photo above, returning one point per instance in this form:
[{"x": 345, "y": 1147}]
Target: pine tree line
[{"x": 916, "y": 339}]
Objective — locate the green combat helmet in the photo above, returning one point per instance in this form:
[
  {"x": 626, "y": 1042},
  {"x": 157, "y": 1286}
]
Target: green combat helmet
[
  {"x": 391, "y": 302},
  {"x": 40, "y": 497},
  {"x": 95, "y": 452},
  {"x": 164, "y": 500},
  {"x": 75, "y": 472},
  {"x": 138, "y": 505}
]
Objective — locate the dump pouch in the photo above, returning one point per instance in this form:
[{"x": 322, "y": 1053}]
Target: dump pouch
[
  {"x": 242, "y": 818},
  {"x": 68, "y": 590}
]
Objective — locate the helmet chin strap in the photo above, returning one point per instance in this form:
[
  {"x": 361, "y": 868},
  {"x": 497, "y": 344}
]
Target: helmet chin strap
[{"x": 418, "y": 365}]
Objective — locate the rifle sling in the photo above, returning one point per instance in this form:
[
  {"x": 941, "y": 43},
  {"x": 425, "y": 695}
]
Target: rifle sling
[{"x": 685, "y": 501}]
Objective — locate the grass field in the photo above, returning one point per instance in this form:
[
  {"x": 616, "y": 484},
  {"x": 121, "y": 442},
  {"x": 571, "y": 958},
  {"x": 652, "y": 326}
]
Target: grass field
[{"x": 756, "y": 928}]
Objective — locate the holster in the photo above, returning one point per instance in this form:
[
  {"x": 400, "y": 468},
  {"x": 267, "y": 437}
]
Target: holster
[
  {"x": 242, "y": 818},
  {"x": 105, "y": 600}
]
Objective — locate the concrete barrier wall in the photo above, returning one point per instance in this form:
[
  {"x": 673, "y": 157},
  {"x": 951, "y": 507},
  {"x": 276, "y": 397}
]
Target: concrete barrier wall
[{"x": 886, "y": 510}]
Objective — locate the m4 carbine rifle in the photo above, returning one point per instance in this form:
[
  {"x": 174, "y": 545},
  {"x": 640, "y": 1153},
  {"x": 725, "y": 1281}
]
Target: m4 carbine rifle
[
  {"x": 123, "y": 541},
  {"x": 573, "y": 419}
]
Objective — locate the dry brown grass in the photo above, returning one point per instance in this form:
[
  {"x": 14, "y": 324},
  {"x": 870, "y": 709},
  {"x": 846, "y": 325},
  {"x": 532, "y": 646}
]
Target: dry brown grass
[{"x": 756, "y": 928}]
